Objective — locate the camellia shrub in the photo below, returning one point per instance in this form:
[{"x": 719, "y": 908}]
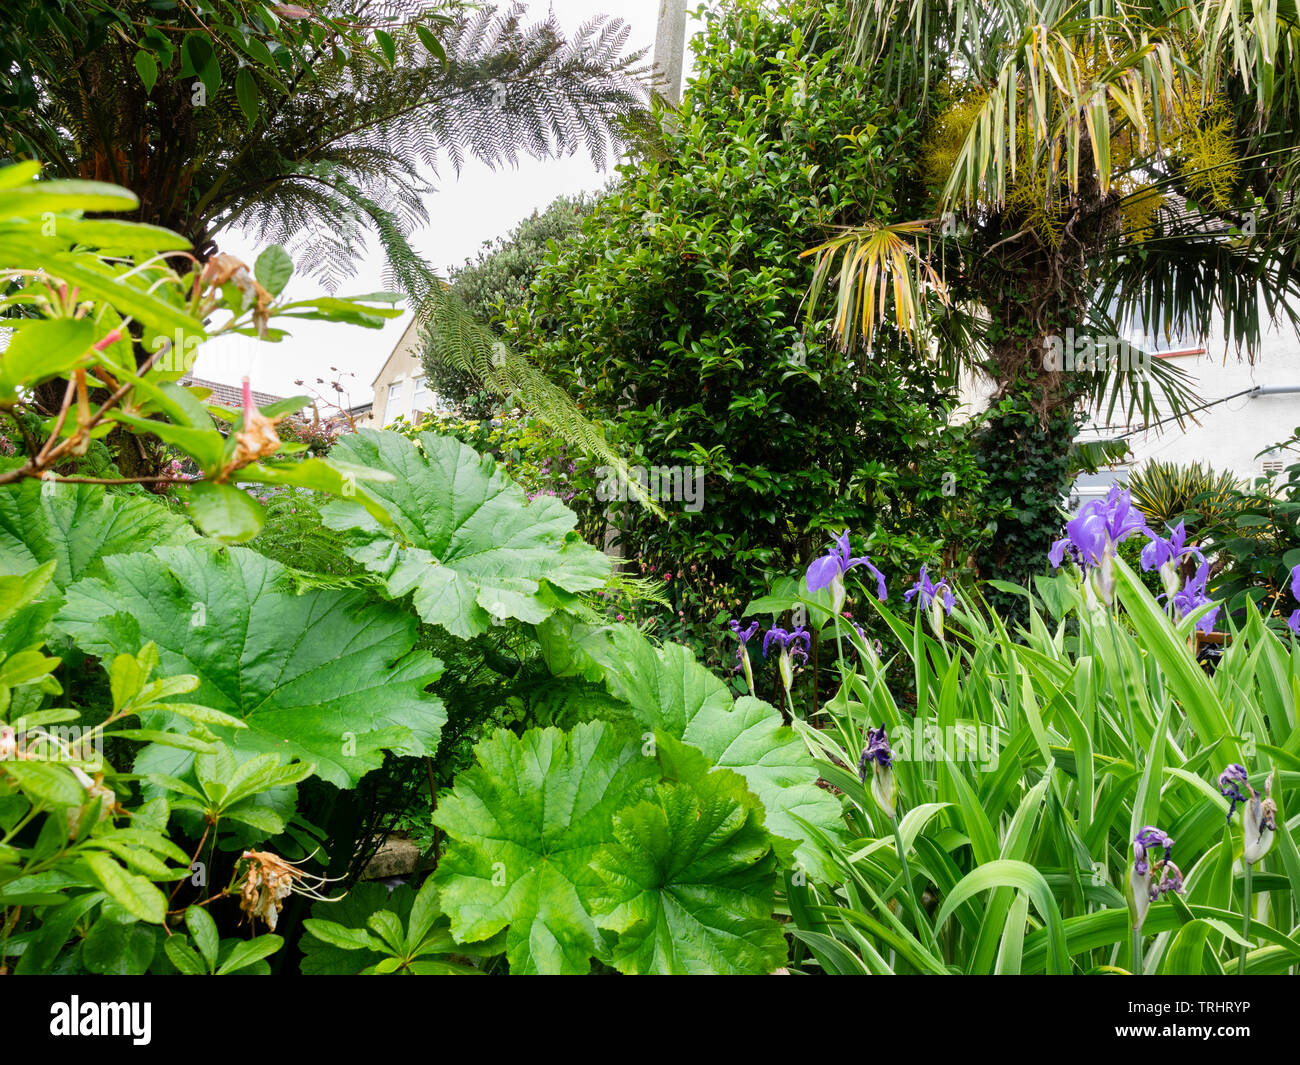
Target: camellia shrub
[{"x": 677, "y": 317}]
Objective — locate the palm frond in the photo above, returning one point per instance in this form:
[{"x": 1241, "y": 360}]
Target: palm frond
[{"x": 875, "y": 261}]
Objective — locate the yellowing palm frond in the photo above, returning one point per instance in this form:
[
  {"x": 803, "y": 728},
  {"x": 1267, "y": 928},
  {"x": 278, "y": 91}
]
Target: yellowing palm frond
[{"x": 875, "y": 261}]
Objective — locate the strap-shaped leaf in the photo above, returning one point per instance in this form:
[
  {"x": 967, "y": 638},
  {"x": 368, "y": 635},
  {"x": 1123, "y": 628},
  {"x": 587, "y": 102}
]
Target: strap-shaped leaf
[
  {"x": 467, "y": 543},
  {"x": 325, "y": 677}
]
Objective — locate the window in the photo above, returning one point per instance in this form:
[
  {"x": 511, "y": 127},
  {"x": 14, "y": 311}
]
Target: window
[
  {"x": 395, "y": 405},
  {"x": 421, "y": 388}
]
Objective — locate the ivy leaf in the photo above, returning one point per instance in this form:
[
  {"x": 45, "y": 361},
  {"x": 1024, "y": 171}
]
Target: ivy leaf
[
  {"x": 688, "y": 883},
  {"x": 666, "y": 688},
  {"x": 466, "y": 541},
  {"x": 525, "y": 825},
  {"x": 326, "y": 677},
  {"x": 75, "y": 525}
]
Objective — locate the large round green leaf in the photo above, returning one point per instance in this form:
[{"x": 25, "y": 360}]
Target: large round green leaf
[
  {"x": 326, "y": 676},
  {"x": 467, "y": 543},
  {"x": 689, "y": 879},
  {"x": 525, "y": 825},
  {"x": 76, "y": 524},
  {"x": 666, "y": 688}
]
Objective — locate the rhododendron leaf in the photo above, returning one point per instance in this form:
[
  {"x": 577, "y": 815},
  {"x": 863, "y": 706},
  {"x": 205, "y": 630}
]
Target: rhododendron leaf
[
  {"x": 223, "y": 511},
  {"x": 326, "y": 677},
  {"x": 524, "y": 826},
  {"x": 466, "y": 542},
  {"x": 688, "y": 881}
]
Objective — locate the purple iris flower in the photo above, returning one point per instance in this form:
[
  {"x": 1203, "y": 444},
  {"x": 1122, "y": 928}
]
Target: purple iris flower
[
  {"x": 1091, "y": 536},
  {"x": 1161, "y": 552},
  {"x": 880, "y": 759},
  {"x": 832, "y": 566},
  {"x": 1192, "y": 596},
  {"x": 877, "y": 750},
  {"x": 1293, "y": 622},
  {"x": 792, "y": 645},
  {"x": 744, "y": 636},
  {"x": 742, "y": 653},
  {"x": 1230, "y": 781},
  {"x": 788, "y": 642},
  {"x": 929, "y": 591}
]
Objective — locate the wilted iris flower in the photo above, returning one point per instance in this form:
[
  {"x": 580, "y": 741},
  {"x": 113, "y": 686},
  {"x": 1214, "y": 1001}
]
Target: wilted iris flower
[
  {"x": 792, "y": 645},
  {"x": 742, "y": 652},
  {"x": 1229, "y": 786},
  {"x": 870, "y": 650},
  {"x": 1165, "y": 555},
  {"x": 880, "y": 758},
  {"x": 1258, "y": 816},
  {"x": 828, "y": 572},
  {"x": 935, "y": 599},
  {"x": 1192, "y": 596},
  {"x": 1092, "y": 535},
  {"x": 1144, "y": 888}
]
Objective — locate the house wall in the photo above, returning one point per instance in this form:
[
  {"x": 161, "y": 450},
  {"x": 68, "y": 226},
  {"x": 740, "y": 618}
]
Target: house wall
[
  {"x": 1228, "y": 436},
  {"x": 397, "y": 387}
]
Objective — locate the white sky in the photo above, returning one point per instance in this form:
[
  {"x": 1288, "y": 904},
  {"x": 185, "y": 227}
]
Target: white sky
[{"x": 475, "y": 206}]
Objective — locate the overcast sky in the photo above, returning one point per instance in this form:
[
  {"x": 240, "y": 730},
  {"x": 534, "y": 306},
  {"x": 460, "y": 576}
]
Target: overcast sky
[{"x": 475, "y": 206}]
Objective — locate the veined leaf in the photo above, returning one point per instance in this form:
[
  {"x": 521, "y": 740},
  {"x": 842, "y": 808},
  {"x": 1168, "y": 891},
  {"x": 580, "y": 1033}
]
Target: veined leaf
[
  {"x": 525, "y": 826},
  {"x": 76, "y": 525},
  {"x": 688, "y": 881},
  {"x": 467, "y": 543},
  {"x": 324, "y": 676}
]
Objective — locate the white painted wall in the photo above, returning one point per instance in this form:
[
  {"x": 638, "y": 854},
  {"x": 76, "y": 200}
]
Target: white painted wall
[{"x": 1227, "y": 436}]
